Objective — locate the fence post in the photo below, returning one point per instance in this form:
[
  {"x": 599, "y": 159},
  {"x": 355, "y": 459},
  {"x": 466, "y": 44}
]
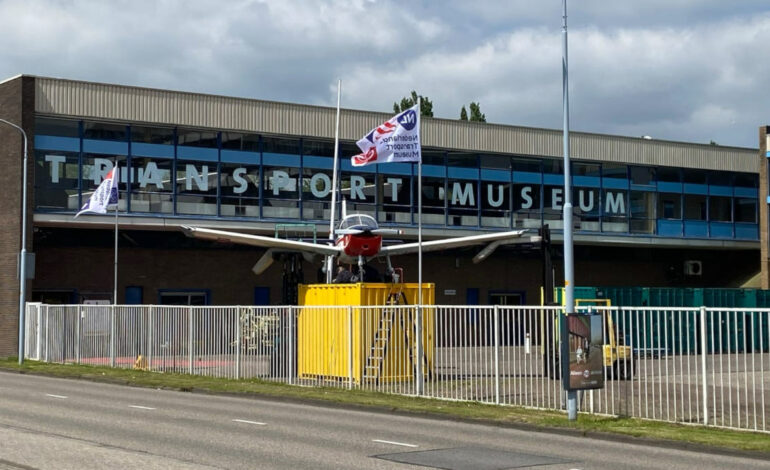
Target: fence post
[
  {"x": 292, "y": 352},
  {"x": 150, "y": 323},
  {"x": 112, "y": 336},
  {"x": 497, "y": 354},
  {"x": 77, "y": 334},
  {"x": 47, "y": 323},
  {"x": 703, "y": 351},
  {"x": 237, "y": 343},
  {"x": 418, "y": 375},
  {"x": 39, "y": 332},
  {"x": 350, "y": 347},
  {"x": 190, "y": 340}
]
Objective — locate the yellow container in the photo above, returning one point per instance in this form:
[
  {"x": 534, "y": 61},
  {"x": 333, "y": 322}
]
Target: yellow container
[{"x": 381, "y": 347}]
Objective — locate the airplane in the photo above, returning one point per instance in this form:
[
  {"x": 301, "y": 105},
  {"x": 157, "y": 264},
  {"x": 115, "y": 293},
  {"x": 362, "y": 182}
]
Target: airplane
[{"x": 359, "y": 239}]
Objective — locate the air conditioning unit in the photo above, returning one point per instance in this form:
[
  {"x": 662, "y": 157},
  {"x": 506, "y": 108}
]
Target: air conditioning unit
[{"x": 693, "y": 268}]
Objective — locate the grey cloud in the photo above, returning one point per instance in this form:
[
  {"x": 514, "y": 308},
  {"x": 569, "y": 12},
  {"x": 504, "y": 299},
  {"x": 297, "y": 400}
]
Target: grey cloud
[{"x": 683, "y": 70}]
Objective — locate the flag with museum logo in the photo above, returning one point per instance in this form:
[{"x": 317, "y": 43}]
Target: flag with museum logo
[
  {"x": 396, "y": 140},
  {"x": 105, "y": 195}
]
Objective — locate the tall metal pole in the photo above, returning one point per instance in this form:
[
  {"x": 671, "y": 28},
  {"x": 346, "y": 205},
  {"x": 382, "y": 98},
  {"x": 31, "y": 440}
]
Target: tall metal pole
[
  {"x": 115, "y": 267},
  {"x": 23, "y": 252},
  {"x": 569, "y": 262},
  {"x": 330, "y": 259},
  {"x": 418, "y": 340}
]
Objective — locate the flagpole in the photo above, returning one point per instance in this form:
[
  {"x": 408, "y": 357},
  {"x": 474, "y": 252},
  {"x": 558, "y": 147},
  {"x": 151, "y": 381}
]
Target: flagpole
[
  {"x": 115, "y": 273},
  {"x": 418, "y": 375},
  {"x": 330, "y": 259}
]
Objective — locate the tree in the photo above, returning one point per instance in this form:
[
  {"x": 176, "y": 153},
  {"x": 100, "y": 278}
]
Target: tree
[
  {"x": 463, "y": 114},
  {"x": 426, "y": 107},
  {"x": 476, "y": 114}
]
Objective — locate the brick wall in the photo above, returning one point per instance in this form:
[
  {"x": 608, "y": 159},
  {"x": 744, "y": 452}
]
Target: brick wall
[
  {"x": 16, "y": 105},
  {"x": 227, "y": 272},
  {"x": 763, "y": 215}
]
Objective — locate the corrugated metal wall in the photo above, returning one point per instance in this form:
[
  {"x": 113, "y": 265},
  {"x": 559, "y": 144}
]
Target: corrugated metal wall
[{"x": 133, "y": 104}]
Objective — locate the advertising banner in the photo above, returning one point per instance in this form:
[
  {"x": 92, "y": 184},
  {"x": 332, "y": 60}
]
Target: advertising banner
[{"x": 586, "y": 352}]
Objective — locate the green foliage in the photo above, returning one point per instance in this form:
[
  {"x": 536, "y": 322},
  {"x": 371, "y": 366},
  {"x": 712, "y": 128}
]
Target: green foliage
[
  {"x": 426, "y": 107},
  {"x": 476, "y": 114},
  {"x": 463, "y": 114}
]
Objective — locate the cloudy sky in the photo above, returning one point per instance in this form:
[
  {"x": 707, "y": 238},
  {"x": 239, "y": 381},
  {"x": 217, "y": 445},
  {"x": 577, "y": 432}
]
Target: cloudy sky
[{"x": 688, "y": 70}]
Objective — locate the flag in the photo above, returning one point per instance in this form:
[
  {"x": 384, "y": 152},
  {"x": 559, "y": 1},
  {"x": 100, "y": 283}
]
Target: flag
[
  {"x": 396, "y": 140},
  {"x": 105, "y": 195}
]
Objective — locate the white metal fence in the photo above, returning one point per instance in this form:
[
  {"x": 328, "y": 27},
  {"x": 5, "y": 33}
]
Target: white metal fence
[{"x": 692, "y": 365}]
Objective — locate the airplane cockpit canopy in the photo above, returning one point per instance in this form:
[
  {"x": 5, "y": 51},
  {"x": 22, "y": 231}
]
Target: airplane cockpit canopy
[{"x": 358, "y": 221}]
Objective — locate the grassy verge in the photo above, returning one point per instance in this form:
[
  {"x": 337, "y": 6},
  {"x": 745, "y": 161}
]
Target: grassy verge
[{"x": 505, "y": 415}]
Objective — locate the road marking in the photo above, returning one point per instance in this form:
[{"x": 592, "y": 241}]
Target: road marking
[
  {"x": 55, "y": 396},
  {"x": 395, "y": 443},
  {"x": 141, "y": 407},
  {"x": 249, "y": 422}
]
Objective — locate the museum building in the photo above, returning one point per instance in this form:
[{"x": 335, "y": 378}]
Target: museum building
[{"x": 647, "y": 212}]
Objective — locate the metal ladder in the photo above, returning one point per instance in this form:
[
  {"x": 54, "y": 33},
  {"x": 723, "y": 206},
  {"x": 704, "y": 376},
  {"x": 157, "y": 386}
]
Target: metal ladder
[{"x": 375, "y": 360}]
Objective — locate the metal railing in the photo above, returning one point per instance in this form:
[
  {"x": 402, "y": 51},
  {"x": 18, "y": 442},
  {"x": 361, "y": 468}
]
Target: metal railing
[{"x": 690, "y": 365}]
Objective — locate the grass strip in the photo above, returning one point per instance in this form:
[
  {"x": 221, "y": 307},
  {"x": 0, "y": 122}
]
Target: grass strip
[{"x": 503, "y": 415}]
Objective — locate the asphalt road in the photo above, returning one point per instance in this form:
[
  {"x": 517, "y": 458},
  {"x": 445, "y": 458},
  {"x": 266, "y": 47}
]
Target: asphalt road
[{"x": 48, "y": 423}]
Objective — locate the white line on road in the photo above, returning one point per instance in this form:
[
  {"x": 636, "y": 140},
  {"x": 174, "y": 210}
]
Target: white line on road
[
  {"x": 395, "y": 443},
  {"x": 249, "y": 422},
  {"x": 55, "y": 396},
  {"x": 141, "y": 407}
]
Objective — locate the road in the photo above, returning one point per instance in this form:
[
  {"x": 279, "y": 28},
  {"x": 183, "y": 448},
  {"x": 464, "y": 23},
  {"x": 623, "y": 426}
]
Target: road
[{"x": 48, "y": 423}]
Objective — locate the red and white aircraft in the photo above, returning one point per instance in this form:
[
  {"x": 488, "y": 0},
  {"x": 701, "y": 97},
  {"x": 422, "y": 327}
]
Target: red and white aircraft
[{"x": 359, "y": 239}]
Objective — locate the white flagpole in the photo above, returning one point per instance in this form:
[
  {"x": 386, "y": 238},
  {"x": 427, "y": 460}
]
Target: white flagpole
[
  {"x": 418, "y": 374},
  {"x": 330, "y": 259},
  {"x": 115, "y": 273}
]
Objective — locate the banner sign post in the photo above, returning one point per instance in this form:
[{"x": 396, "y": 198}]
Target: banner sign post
[{"x": 586, "y": 352}]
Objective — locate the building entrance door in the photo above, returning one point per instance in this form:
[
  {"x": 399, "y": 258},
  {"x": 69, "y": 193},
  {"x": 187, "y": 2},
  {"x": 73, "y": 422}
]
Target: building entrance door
[{"x": 506, "y": 298}]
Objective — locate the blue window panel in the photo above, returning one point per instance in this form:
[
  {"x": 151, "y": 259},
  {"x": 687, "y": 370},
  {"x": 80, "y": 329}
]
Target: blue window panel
[
  {"x": 669, "y": 187},
  {"x": 767, "y": 154},
  {"x": 393, "y": 168},
  {"x": 768, "y": 199},
  {"x": 496, "y": 175},
  {"x": 464, "y": 173},
  {"x": 280, "y": 159},
  {"x": 691, "y": 188},
  {"x": 324, "y": 163},
  {"x": 746, "y": 192},
  {"x": 640, "y": 187},
  {"x": 721, "y": 229},
  {"x": 720, "y": 190},
  {"x": 527, "y": 177},
  {"x": 197, "y": 153},
  {"x": 235, "y": 156},
  {"x": 105, "y": 146},
  {"x": 669, "y": 228},
  {"x": 586, "y": 181},
  {"x": 747, "y": 231},
  {"x": 614, "y": 183},
  {"x": 696, "y": 228},
  {"x": 553, "y": 179},
  {"x": 434, "y": 170},
  {"x": 345, "y": 165},
  {"x": 49, "y": 142},
  {"x": 142, "y": 149}
]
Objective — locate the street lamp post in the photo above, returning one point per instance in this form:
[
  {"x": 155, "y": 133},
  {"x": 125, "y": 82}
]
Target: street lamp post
[{"x": 23, "y": 252}]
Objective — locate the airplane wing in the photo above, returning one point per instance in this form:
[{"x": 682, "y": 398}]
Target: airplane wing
[
  {"x": 449, "y": 243},
  {"x": 258, "y": 240}
]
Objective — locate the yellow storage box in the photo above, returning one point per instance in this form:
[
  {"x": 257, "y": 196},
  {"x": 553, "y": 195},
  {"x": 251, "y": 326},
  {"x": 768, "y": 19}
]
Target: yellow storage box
[{"x": 381, "y": 347}]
